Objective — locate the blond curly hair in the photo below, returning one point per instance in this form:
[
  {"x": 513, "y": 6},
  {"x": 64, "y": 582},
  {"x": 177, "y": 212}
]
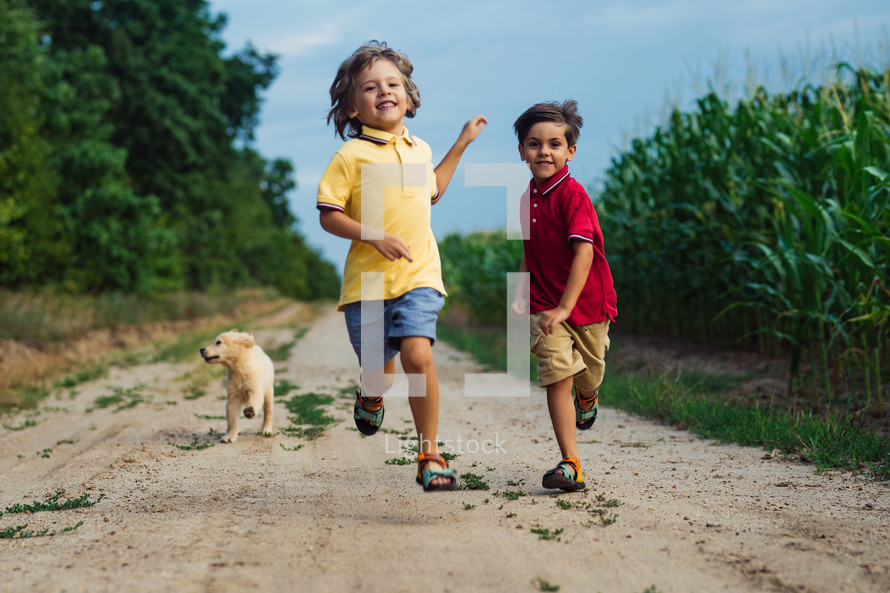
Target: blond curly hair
[{"x": 343, "y": 88}]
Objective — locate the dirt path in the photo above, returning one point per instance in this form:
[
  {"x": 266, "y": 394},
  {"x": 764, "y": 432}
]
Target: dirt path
[{"x": 333, "y": 516}]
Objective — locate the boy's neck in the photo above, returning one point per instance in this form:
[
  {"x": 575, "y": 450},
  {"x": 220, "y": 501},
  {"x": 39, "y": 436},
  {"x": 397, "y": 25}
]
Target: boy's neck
[
  {"x": 402, "y": 130},
  {"x": 561, "y": 173}
]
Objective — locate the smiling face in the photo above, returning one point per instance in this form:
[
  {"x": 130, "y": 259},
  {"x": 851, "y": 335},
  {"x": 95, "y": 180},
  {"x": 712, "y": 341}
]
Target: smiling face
[
  {"x": 380, "y": 99},
  {"x": 546, "y": 150}
]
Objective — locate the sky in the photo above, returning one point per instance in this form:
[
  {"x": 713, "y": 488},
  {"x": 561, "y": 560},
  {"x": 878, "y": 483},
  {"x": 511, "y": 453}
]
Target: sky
[{"x": 626, "y": 63}]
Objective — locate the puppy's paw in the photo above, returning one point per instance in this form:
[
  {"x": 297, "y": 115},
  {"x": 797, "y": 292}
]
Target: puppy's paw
[
  {"x": 248, "y": 412},
  {"x": 267, "y": 432},
  {"x": 229, "y": 438}
]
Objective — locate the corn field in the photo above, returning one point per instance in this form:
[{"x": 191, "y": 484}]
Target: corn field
[
  {"x": 762, "y": 225},
  {"x": 765, "y": 224}
]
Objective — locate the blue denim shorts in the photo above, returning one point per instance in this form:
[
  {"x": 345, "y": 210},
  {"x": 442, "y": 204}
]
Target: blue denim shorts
[{"x": 376, "y": 328}]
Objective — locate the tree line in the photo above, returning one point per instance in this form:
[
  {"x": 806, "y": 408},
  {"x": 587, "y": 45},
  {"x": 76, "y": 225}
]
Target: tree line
[{"x": 125, "y": 155}]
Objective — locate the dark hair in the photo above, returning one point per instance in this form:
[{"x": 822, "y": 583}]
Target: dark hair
[
  {"x": 565, "y": 114},
  {"x": 343, "y": 88}
]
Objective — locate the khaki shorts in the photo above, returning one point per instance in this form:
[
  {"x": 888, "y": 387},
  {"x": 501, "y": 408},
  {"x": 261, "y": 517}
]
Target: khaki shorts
[{"x": 577, "y": 351}]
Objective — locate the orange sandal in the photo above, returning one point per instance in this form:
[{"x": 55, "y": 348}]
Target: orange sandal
[
  {"x": 367, "y": 413},
  {"x": 565, "y": 476},
  {"x": 426, "y": 477},
  {"x": 584, "y": 419}
]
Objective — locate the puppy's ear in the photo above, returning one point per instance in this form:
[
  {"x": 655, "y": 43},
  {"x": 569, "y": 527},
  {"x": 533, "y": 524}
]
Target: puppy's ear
[
  {"x": 234, "y": 330},
  {"x": 247, "y": 338}
]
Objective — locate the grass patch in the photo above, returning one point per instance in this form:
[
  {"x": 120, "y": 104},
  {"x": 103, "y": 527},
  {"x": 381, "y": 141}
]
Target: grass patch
[
  {"x": 543, "y": 585},
  {"x": 25, "y": 396},
  {"x": 22, "y": 426},
  {"x": 81, "y": 376},
  {"x": 309, "y": 419},
  {"x": 122, "y": 397},
  {"x": 22, "y": 531},
  {"x": 51, "y": 503},
  {"x": 282, "y": 352},
  {"x": 284, "y": 387},
  {"x": 309, "y": 433},
  {"x": 543, "y": 533},
  {"x": 195, "y": 389},
  {"x": 487, "y": 346},
  {"x": 830, "y": 441},
  {"x": 195, "y": 445},
  {"x": 472, "y": 482},
  {"x": 308, "y": 408}
]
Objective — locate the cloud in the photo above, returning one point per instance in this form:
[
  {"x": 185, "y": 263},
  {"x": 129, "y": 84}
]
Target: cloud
[{"x": 300, "y": 44}]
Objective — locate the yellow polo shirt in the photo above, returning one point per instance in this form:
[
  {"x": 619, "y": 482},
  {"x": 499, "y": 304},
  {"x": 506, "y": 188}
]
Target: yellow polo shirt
[{"x": 386, "y": 182}]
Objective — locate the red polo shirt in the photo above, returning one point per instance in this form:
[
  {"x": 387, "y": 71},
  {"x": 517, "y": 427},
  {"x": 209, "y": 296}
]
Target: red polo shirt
[{"x": 554, "y": 214}]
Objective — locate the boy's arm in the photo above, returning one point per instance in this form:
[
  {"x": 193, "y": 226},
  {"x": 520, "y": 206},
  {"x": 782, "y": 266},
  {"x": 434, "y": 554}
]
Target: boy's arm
[
  {"x": 577, "y": 278},
  {"x": 519, "y": 308},
  {"x": 445, "y": 169},
  {"x": 338, "y": 223}
]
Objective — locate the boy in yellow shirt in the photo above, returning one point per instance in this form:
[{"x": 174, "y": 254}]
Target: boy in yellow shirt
[{"x": 377, "y": 192}]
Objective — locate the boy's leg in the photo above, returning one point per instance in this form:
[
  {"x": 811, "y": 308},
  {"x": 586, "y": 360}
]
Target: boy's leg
[
  {"x": 376, "y": 382},
  {"x": 562, "y": 417},
  {"x": 592, "y": 342},
  {"x": 417, "y": 360}
]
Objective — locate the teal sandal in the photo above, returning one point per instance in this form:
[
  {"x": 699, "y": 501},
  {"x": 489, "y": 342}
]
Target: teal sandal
[
  {"x": 565, "y": 476},
  {"x": 426, "y": 477},
  {"x": 368, "y": 422},
  {"x": 584, "y": 419}
]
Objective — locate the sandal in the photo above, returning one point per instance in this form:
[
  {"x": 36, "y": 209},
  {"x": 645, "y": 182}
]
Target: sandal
[
  {"x": 565, "y": 476},
  {"x": 367, "y": 420},
  {"x": 584, "y": 419},
  {"x": 426, "y": 477}
]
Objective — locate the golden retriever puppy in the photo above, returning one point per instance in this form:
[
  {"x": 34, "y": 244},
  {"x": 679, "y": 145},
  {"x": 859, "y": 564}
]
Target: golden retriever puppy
[{"x": 249, "y": 381}]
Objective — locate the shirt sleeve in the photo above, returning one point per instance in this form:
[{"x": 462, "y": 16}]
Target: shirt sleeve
[
  {"x": 335, "y": 186},
  {"x": 581, "y": 219},
  {"x": 431, "y": 180}
]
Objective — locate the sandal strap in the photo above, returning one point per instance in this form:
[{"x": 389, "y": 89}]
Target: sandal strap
[
  {"x": 574, "y": 464},
  {"x": 421, "y": 457},
  {"x": 591, "y": 398},
  {"x": 366, "y": 402}
]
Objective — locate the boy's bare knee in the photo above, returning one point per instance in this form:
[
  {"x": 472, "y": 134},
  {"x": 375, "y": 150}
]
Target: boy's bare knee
[{"x": 417, "y": 360}]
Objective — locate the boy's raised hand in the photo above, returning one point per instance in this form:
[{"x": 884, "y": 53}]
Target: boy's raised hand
[{"x": 471, "y": 129}]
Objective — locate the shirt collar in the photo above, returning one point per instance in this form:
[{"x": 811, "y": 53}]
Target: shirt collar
[
  {"x": 381, "y": 137},
  {"x": 551, "y": 184}
]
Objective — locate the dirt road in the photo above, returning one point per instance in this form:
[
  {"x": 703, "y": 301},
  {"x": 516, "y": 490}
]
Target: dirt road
[{"x": 664, "y": 507}]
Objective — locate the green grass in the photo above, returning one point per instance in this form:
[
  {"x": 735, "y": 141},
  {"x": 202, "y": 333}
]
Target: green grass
[
  {"x": 26, "y": 397},
  {"x": 282, "y": 352},
  {"x": 45, "y": 316},
  {"x": 22, "y": 426},
  {"x": 22, "y": 531},
  {"x": 472, "y": 482},
  {"x": 546, "y": 534},
  {"x": 309, "y": 420},
  {"x": 51, "y": 503},
  {"x": 543, "y": 585},
  {"x": 831, "y": 441},
  {"x": 487, "y": 346},
  {"x": 698, "y": 402},
  {"x": 81, "y": 376},
  {"x": 195, "y": 445},
  {"x": 121, "y": 397}
]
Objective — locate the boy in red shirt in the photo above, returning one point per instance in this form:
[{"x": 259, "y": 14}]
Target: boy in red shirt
[{"x": 572, "y": 299}]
